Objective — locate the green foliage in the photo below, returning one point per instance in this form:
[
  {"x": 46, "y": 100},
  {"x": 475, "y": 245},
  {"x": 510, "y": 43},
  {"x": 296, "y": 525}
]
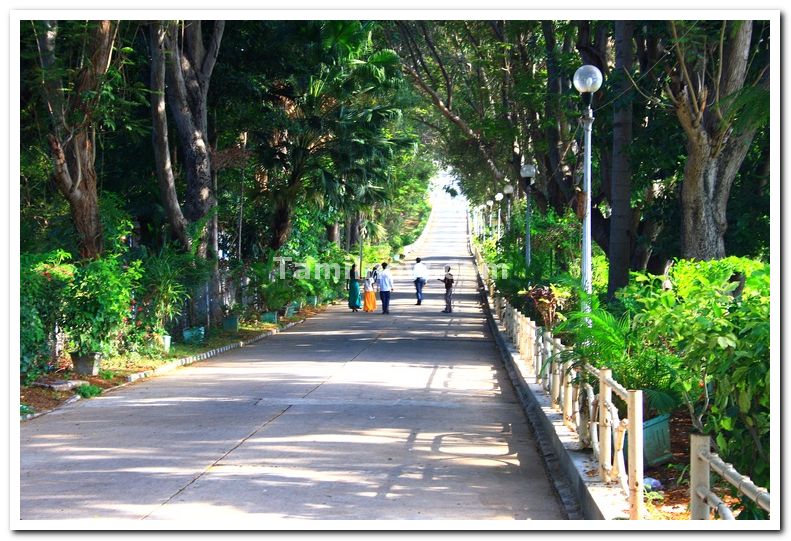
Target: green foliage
[
  {"x": 24, "y": 409},
  {"x": 164, "y": 285},
  {"x": 375, "y": 254},
  {"x": 99, "y": 300},
  {"x": 604, "y": 340},
  {"x": 716, "y": 337},
  {"x": 45, "y": 280},
  {"x": 88, "y": 391},
  {"x": 116, "y": 223}
]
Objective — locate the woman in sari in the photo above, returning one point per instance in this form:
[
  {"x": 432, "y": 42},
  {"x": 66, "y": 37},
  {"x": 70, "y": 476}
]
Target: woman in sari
[
  {"x": 369, "y": 297},
  {"x": 354, "y": 289}
]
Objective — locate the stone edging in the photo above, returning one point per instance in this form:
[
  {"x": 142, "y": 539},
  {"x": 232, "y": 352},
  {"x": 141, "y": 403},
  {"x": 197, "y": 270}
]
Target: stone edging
[
  {"x": 583, "y": 496},
  {"x": 167, "y": 367}
]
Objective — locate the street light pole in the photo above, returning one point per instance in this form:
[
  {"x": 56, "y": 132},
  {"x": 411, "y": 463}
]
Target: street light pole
[
  {"x": 528, "y": 172},
  {"x": 508, "y": 190},
  {"x": 587, "y": 80},
  {"x": 498, "y": 197},
  {"x": 587, "y": 122},
  {"x": 490, "y": 204}
]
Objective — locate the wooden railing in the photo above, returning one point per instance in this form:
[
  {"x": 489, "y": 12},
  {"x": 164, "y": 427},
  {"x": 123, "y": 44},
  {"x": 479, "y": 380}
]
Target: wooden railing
[
  {"x": 597, "y": 423},
  {"x": 701, "y": 499}
]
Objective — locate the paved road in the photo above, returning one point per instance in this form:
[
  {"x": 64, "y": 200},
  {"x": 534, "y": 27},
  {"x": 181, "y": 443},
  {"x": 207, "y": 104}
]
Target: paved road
[{"x": 346, "y": 416}]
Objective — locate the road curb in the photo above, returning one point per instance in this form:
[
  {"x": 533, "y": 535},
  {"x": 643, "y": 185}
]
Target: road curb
[{"x": 584, "y": 497}]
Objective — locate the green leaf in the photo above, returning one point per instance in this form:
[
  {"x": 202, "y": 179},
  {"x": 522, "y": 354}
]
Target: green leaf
[{"x": 744, "y": 401}]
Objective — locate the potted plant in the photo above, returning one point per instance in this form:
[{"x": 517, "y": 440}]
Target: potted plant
[
  {"x": 165, "y": 292},
  {"x": 98, "y": 303},
  {"x": 278, "y": 294},
  {"x": 604, "y": 340}
]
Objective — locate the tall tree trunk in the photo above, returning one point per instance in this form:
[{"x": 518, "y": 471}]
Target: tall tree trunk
[
  {"x": 621, "y": 234},
  {"x": 215, "y": 287},
  {"x": 281, "y": 223},
  {"x": 333, "y": 231},
  {"x": 559, "y": 193},
  {"x": 347, "y": 231},
  {"x": 162, "y": 159},
  {"x": 78, "y": 156},
  {"x": 354, "y": 230},
  {"x": 704, "y": 195},
  {"x": 188, "y": 73},
  {"x": 715, "y": 151},
  {"x": 73, "y": 127}
]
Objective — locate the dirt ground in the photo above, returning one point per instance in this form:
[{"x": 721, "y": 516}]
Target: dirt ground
[{"x": 674, "y": 476}]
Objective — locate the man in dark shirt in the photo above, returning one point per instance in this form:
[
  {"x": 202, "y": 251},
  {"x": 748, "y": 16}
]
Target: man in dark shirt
[{"x": 448, "y": 281}]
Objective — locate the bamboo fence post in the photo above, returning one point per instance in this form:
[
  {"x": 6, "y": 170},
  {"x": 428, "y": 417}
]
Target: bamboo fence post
[
  {"x": 568, "y": 394},
  {"x": 520, "y": 335},
  {"x": 554, "y": 371},
  {"x": 605, "y": 426},
  {"x": 699, "y": 477},
  {"x": 635, "y": 433},
  {"x": 547, "y": 363}
]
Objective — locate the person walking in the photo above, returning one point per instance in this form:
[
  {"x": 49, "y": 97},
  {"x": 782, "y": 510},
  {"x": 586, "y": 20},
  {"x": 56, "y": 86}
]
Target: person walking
[
  {"x": 448, "y": 281},
  {"x": 354, "y": 289},
  {"x": 371, "y": 282},
  {"x": 420, "y": 276},
  {"x": 385, "y": 288}
]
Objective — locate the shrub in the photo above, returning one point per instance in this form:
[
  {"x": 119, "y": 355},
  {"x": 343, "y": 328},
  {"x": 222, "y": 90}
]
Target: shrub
[
  {"x": 44, "y": 280},
  {"x": 99, "y": 300},
  {"x": 163, "y": 287},
  {"x": 88, "y": 391},
  {"x": 712, "y": 317}
]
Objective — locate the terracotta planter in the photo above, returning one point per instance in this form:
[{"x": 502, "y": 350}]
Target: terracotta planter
[{"x": 87, "y": 364}]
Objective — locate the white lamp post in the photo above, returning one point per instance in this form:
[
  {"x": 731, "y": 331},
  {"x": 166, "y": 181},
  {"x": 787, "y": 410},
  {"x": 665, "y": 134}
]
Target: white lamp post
[
  {"x": 498, "y": 197},
  {"x": 528, "y": 172},
  {"x": 587, "y": 80},
  {"x": 490, "y": 204},
  {"x": 508, "y": 190}
]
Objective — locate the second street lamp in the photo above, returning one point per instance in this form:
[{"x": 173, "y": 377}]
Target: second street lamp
[
  {"x": 587, "y": 80},
  {"x": 508, "y": 190},
  {"x": 490, "y": 204},
  {"x": 528, "y": 172},
  {"x": 498, "y": 198}
]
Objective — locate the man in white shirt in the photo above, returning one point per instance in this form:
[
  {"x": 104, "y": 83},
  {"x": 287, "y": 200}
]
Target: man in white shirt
[
  {"x": 420, "y": 276},
  {"x": 385, "y": 287}
]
